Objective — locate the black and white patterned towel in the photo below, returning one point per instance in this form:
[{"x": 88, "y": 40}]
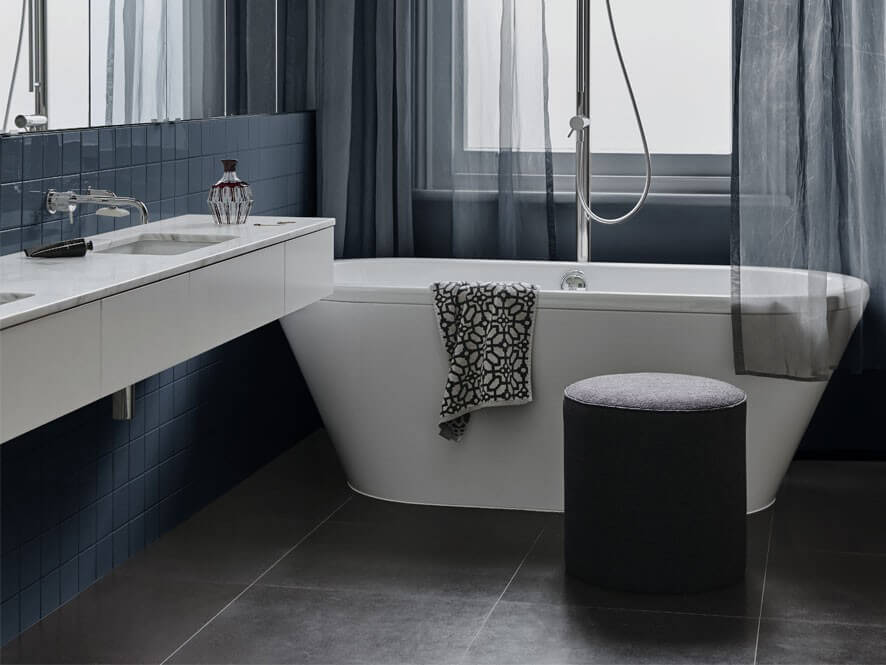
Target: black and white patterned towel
[{"x": 486, "y": 328}]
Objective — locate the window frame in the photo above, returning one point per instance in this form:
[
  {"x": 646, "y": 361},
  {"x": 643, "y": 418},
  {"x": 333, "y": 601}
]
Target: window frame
[{"x": 440, "y": 122}]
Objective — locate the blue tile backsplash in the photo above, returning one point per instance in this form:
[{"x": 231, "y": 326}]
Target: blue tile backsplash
[
  {"x": 84, "y": 493},
  {"x": 170, "y": 166}
]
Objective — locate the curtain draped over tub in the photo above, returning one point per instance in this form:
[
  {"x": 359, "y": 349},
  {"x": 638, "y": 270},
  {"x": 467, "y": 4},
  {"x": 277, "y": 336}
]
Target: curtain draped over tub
[
  {"x": 809, "y": 188},
  {"x": 388, "y": 79}
]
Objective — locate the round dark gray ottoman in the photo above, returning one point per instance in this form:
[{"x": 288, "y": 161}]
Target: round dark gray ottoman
[{"x": 655, "y": 482}]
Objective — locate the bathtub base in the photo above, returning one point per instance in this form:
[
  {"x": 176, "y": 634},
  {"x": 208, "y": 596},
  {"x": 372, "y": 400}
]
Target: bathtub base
[
  {"x": 372, "y": 358},
  {"x": 458, "y": 505},
  {"x": 376, "y": 375}
]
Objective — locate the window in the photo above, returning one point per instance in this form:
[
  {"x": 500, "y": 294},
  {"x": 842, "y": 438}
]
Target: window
[
  {"x": 679, "y": 57},
  {"x": 678, "y": 54}
]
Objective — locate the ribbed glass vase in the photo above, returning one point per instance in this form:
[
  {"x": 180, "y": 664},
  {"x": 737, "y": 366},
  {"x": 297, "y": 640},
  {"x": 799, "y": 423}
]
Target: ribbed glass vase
[{"x": 230, "y": 199}]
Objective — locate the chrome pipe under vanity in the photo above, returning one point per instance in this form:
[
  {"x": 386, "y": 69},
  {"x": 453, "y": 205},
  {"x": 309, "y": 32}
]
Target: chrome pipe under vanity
[{"x": 68, "y": 201}]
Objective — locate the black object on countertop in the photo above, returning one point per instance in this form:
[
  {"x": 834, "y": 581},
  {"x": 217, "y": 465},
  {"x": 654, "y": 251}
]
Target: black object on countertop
[{"x": 60, "y": 250}]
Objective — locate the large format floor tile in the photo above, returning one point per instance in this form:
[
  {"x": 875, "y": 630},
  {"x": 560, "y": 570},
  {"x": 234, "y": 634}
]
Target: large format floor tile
[
  {"x": 540, "y": 633},
  {"x": 304, "y": 483},
  {"x": 218, "y": 545},
  {"x": 276, "y": 625},
  {"x": 813, "y": 585},
  {"x": 238, "y": 536},
  {"x": 329, "y": 576},
  {"x": 543, "y": 578},
  {"x": 793, "y": 642},
  {"x": 121, "y": 619},
  {"x": 836, "y": 506},
  {"x": 470, "y": 553}
]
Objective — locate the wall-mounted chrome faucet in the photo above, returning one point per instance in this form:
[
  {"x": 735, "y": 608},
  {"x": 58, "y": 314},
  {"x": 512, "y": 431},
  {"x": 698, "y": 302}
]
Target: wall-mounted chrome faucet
[{"x": 68, "y": 201}]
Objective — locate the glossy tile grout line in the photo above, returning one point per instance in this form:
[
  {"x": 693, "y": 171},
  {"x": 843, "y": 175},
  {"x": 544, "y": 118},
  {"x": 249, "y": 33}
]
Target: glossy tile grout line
[
  {"x": 501, "y": 595},
  {"x": 763, "y": 586},
  {"x": 256, "y": 580}
]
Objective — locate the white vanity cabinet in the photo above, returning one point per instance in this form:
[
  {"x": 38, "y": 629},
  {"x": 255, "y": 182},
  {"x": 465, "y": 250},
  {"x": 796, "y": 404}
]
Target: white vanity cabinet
[
  {"x": 143, "y": 329},
  {"x": 231, "y": 295},
  {"x": 53, "y": 364}
]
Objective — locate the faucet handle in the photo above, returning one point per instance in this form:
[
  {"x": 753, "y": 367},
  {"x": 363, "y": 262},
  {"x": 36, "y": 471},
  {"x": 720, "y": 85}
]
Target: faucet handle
[{"x": 58, "y": 201}]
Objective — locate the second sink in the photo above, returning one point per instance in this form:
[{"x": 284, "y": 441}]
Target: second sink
[{"x": 163, "y": 244}]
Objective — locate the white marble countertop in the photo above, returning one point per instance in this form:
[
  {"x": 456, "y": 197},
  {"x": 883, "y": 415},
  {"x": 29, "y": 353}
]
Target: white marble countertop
[{"x": 59, "y": 284}]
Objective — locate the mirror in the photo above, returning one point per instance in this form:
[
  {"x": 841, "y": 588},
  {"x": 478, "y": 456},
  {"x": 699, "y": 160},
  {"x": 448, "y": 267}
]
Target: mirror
[
  {"x": 163, "y": 60},
  {"x": 111, "y": 62}
]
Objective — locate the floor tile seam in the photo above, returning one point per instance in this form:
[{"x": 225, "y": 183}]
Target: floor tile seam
[
  {"x": 254, "y": 582},
  {"x": 485, "y": 620},
  {"x": 783, "y": 547},
  {"x": 631, "y": 610},
  {"x": 388, "y": 594},
  {"x": 763, "y": 585},
  {"x": 879, "y": 625}
]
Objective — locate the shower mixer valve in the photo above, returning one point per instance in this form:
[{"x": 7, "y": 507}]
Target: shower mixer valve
[{"x": 578, "y": 123}]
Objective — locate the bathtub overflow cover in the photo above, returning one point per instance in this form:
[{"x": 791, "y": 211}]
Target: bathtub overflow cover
[{"x": 574, "y": 280}]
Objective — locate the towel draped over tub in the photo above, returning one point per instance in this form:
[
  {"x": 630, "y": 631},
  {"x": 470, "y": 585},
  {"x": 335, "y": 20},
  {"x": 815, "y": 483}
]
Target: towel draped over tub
[{"x": 486, "y": 329}]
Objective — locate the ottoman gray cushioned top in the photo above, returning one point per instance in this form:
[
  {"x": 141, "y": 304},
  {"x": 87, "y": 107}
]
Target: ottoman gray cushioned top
[{"x": 650, "y": 391}]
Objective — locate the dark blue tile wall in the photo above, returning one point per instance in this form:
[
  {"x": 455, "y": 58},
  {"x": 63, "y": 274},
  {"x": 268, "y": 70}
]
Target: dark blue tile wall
[
  {"x": 170, "y": 166},
  {"x": 84, "y": 493}
]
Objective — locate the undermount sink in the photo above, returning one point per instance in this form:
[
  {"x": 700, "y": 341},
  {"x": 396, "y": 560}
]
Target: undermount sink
[
  {"x": 12, "y": 297},
  {"x": 163, "y": 244}
]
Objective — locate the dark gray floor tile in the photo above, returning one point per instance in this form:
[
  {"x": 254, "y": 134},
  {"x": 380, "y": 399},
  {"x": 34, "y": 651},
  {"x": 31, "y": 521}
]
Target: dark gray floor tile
[
  {"x": 219, "y": 545},
  {"x": 277, "y": 625},
  {"x": 475, "y": 556},
  {"x": 837, "y": 506},
  {"x": 837, "y": 478},
  {"x": 792, "y": 642},
  {"x": 121, "y": 619},
  {"x": 236, "y": 538},
  {"x": 543, "y": 578},
  {"x": 813, "y": 585},
  {"x": 540, "y": 633},
  {"x": 304, "y": 483}
]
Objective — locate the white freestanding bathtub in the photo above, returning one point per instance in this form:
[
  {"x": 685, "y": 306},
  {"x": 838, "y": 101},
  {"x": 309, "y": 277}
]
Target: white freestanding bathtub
[{"x": 375, "y": 365}]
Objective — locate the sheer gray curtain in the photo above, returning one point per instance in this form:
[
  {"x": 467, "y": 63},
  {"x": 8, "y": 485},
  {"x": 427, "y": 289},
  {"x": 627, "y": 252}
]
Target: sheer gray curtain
[
  {"x": 251, "y": 32},
  {"x": 396, "y": 154},
  {"x": 352, "y": 60},
  {"x": 498, "y": 162},
  {"x": 809, "y": 188}
]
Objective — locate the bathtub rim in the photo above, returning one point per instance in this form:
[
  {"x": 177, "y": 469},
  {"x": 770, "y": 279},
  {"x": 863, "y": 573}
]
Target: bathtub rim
[{"x": 854, "y": 296}]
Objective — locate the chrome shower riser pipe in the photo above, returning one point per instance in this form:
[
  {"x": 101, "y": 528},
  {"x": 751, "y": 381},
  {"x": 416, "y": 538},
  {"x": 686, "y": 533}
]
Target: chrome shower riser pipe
[
  {"x": 580, "y": 125},
  {"x": 583, "y": 110}
]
